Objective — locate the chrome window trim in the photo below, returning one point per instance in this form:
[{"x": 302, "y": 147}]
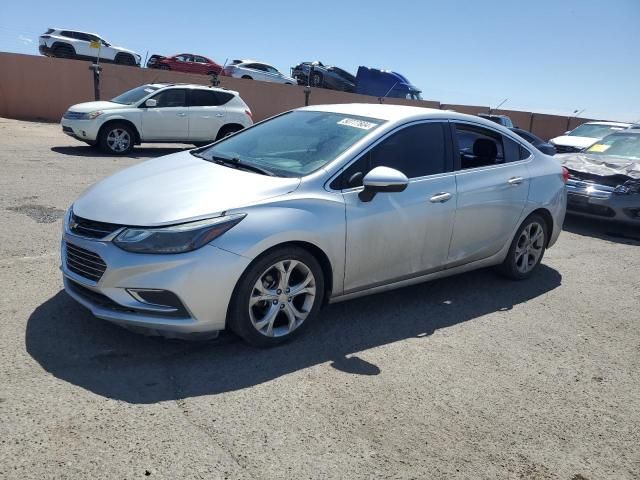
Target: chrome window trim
[{"x": 357, "y": 156}]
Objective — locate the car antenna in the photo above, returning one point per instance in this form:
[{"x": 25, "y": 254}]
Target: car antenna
[{"x": 388, "y": 92}]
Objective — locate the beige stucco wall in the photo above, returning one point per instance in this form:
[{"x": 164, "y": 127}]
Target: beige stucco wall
[{"x": 40, "y": 88}]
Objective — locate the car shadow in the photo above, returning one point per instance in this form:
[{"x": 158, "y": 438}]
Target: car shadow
[
  {"x": 138, "y": 152},
  {"x": 67, "y": 341},
  {"x": 602, "y": 229}
]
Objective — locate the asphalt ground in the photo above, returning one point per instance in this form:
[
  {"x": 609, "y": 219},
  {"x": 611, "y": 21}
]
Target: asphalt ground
[{"x": 471, "y": 377}]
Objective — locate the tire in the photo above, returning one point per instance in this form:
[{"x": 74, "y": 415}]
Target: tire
[
  {"x": 116, "y": 138},
  {"x": 260, "y": 315},
  {"x": 247, "y": 77},
  {"x": 125, "y": 60},
  {"x": 64, "y": 51},
  {"x": 316, "y": 80},
  {"x": 227, "y": 130},
  {"x": 525, "y": 254}
]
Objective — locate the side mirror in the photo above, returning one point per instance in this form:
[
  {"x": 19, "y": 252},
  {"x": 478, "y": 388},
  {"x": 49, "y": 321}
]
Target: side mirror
[
  {"x": 151, "y": 103},
  {"x": 382, "y": 179}
]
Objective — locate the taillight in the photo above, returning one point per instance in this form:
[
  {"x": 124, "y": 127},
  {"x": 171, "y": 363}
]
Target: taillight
[
  {"x": 565, "y": 175},
  {"x": 248, "y": 112}
]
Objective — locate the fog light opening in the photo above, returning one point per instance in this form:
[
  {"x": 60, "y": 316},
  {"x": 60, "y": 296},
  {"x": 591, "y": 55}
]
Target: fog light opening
[{"x": 157, "y": 298}]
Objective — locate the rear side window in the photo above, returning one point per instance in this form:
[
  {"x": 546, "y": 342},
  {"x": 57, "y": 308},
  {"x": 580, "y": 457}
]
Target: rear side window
[
  {"x": 200, "y": 59},
  {"x": 49, "y": 30},
  {"x": 204, "y": 98},
  {"x": 511, "y": 150},
  {"x": 478, "y": 146},
  {"x": 176, "y": 97},
  {"x": 416, "y": 151},
  {"x": 68, "y": 34},
  {"x": 524, "y": 153}
]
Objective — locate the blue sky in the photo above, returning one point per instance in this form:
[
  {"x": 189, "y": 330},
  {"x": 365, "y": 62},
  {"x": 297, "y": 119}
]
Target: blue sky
[{"x": 551, "y": 56}]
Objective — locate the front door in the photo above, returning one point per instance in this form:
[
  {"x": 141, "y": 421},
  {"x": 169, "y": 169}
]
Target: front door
[
  {"x": 493, "y": 187},
  {"x": 402, "y": 234},
  {"x": 169, "y": 119}
]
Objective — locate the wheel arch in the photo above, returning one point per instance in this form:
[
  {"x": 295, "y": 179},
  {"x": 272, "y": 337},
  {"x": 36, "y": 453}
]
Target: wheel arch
[
  {"x": 129, "y": 123},
  {"x": 59, "y": 43},
  {"x": 228, "y": 126},
  {"x": 548, "y": 220}
]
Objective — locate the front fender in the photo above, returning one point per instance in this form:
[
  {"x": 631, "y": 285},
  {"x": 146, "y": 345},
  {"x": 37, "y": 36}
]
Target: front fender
[{"x": 318, "y": 221}]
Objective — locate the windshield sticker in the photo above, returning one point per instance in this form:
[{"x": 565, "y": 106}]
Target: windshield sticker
[
  {"x": 355, "y": 123},
  {"x": 599, "y": 148}
]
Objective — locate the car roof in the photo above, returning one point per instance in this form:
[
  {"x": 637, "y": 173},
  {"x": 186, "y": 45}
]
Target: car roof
[
  {"x": 192, "y": 86},
  {"x": 397, "y": 113},
  {"x": 613, "y": 124},
  {"x": 78, "y": 31}
]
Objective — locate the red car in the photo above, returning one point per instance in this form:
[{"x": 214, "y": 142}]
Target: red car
[{"x": 185, "y": 62}]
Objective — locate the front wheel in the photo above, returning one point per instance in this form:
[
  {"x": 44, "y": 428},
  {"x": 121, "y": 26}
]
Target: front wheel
[
  {"x": 527, "y": 248},
  {"x": 278, "y": 296},
  {"x": 117, "y": 139}
]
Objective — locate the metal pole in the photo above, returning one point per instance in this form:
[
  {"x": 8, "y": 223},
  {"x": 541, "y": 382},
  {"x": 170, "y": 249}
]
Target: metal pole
[
  {"x": 96, "y": 79},
  {"x": 307, "y": 93}
]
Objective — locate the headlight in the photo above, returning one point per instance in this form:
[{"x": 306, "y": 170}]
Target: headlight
[
  {"x": 177, "y": 238},
  {"x": 92, "y": 115}
]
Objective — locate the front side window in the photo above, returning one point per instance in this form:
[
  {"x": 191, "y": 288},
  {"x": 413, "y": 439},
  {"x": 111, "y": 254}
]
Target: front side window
[
  {"x": 416, "y": 151},
  {"x": 294, "y": 144},
  {"x": 175, "y": 97},
  {"x": 135, "y": 95}
]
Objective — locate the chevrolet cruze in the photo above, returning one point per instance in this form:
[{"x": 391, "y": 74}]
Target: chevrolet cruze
[{"x": 255, "y": 232}]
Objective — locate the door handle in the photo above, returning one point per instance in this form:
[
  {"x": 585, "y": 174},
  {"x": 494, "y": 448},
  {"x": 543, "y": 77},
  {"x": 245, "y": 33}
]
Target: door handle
[
  {"x": 440, "y": 197},
  {"x": 515, "y": 180},
  {"x": 219, "y": 115},
  {"x": 182, "y": 114}
]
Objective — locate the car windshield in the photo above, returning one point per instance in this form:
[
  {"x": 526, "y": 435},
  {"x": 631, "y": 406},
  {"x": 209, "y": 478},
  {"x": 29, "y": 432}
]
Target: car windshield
[
  {"x": 294, "y": 144},
  {"x": 132, "y": 96},
  {"x": 593, "y": 130},
  {"x": 619, "y": 145}
]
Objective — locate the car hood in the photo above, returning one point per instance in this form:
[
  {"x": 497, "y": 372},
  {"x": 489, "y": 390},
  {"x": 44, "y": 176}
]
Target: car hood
[
  {"x": 94, "y": 106},
  {"x": 125, "y": 50},
  {"x": 602, "y": 165},
  {"x": 569, "y": 141},
  {"x": 176, "y": 188}
]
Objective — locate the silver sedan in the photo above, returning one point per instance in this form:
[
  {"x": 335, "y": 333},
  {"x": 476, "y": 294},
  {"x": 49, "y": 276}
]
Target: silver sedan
[{"x": 255, "y": 232}]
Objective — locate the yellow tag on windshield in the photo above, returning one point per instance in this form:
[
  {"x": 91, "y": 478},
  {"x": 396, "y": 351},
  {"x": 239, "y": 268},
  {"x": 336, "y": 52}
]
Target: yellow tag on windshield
[
  {"x": 598, "y": 148},
  {"x": 94, "y": 44}
]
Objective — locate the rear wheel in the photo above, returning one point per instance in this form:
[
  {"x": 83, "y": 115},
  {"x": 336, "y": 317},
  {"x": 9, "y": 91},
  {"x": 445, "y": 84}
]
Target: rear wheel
[
  {"x": 278, "y": 296},
  {"x": 164, "y": 67},
  {"x": 228, "y": 130},
  {"x": 247, "y": 77},
  {"x": 527, "y": 248},
  {"x": 124, "y": 59},
  {"x": 116, "y": 138},
  {"x": 63, "y": 51}
]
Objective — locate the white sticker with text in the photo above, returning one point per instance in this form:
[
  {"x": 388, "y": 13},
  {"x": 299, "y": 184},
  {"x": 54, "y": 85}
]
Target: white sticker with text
[{"x": 355, "y": 123}]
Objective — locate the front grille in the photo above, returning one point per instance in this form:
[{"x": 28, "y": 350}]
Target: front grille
[
  {"x": 97, "y": 298},
  {"x": 567, "y": 149},
  {"x": 84, "y": 263},
  {"x": 90, "y": 228},
  {"x": 67, "y": 129},
  {"x": 74, "y": 115}
]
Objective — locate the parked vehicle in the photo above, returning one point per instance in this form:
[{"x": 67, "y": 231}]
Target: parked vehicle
[
  {"x": 159, "y": 112},
  {"x": 185, "y": 62},
  {"x": 503, "y": 120},
  {"x": 325, "y": 203},
  {"x": 316, "y": 74},
  {"x": 56, "y": 42},
  {"x": 544, "y": 147},
  {"x": 604, "y": 179},
  {"x": 385, "y": 83},
  {"x": 254, "y": 70},
  {"x": 585, "y": 135}
]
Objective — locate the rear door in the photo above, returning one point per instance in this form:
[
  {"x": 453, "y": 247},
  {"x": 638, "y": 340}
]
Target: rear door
[
  {"x": 405, "y": 234},
  {"x": 255, "y": 71},
  {"x": 200, "y": 65},
  {"x": 493, "y": 186},
  {"x": 169, "y": 120},
  {"x": 206, "y": 114}
]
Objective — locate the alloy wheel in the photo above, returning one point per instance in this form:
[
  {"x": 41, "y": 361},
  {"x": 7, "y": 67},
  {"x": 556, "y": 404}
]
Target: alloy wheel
[
  {"x": 529, "y": 247},
  {"x": 118, "y": 140},
  {"x": 282, "y": 298}
]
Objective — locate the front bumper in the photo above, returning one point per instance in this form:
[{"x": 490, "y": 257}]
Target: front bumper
[
  {"x": 203, "y": 280},
  {"x": 85, "y": 130},
  {"x": 599, "y": 201}
]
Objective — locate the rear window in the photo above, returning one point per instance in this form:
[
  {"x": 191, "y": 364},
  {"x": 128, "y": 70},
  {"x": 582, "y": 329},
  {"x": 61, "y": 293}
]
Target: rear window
[{"x": 49, "y": 30}]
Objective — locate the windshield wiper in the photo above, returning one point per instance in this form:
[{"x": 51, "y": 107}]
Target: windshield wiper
[{"x": 236, "y": 163}]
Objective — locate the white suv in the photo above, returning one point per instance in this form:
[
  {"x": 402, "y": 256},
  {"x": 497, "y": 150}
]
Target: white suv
[
  {"x": 253, "y": 70},
  {"x": 56, "y": 42},
  {"x": 158, "y": 112}
]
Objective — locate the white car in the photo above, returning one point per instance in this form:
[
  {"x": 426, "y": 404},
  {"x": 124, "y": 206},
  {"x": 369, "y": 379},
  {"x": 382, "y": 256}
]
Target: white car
[
  {"x": 254, "y": 70},
  {"x": 585, "y": 135},
  {"x": 56, "y": 42},
  {"x": 158, "y": 112}
]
